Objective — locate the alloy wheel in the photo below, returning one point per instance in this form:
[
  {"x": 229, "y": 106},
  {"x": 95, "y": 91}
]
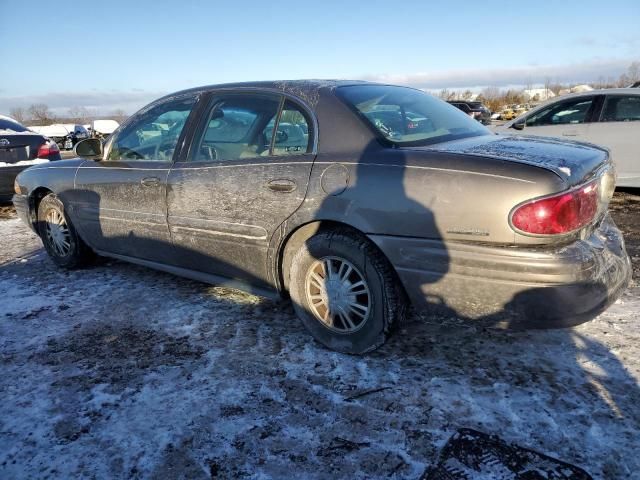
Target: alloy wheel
[
  {"x": 57, "y": 231},
  {"x": 338, "y": 294}
]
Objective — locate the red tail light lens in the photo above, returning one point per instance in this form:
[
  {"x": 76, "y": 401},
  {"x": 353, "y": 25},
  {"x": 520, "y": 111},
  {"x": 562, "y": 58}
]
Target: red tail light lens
[
  {"x": 47, "y": 149},
  {"x": 562, "y": 213}
]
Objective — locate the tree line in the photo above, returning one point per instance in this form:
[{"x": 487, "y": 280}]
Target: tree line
[
  {"x": 41, "y": 114},
  {"x": 496, "y": 98}
]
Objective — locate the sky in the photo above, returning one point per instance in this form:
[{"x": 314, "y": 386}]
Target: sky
[{"x": 114, "y": 54}]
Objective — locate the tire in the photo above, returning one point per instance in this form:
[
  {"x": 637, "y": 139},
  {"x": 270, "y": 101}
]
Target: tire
[
  {"x": 381, "y": 293},
  {"x": 59, "y": 236}
]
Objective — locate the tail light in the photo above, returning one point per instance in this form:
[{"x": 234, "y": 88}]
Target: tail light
[
  {"x": 48, "y": 148},
  {"x": 562, "y": 213}
]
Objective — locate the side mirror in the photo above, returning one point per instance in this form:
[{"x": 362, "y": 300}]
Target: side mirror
[
  {"x": 89, "y": 148},
  {"x": 519, "y": 125}
]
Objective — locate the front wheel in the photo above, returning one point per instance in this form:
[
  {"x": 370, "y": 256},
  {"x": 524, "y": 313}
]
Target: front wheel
[
  {"x": 59, "y": 237},
  {"x": 345, "y": 292}
]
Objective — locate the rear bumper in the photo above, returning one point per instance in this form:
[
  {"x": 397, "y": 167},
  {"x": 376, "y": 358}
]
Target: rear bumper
[
  {"x": 513, "y": 287},
  {"x": 21, "y": 204},
  {"x": 7, "y": 177}
]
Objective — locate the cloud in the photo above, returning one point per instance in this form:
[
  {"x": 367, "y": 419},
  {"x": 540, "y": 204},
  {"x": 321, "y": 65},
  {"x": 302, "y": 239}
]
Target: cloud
[
  {"x": 101, "y": 102},
  {"x": 509, "y": 76}
]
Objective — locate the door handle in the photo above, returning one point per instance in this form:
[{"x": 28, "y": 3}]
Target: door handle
[
  {"x": 570, "y": 133},
  {"x": 282, "y": 185},
  {"x": 150, "y": 182}
]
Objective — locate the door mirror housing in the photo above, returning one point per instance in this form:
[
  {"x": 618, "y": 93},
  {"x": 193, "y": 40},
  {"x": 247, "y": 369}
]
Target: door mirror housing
[
  {"x": 89, "y": 148},
  {"x": 519, "y": 125}
]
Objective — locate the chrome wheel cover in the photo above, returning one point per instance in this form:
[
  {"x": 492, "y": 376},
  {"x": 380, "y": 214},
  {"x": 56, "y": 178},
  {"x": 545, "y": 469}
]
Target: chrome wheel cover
[
  {"x": 338, "y": 294},
  {"x": 57, "y": 232}
]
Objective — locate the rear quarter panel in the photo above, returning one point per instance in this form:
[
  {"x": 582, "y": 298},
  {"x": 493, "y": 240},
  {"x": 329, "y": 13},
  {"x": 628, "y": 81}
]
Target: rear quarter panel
[{"x": 424, "y": 195}]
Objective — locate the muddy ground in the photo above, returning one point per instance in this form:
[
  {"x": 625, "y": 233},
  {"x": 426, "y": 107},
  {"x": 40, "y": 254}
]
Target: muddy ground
[{"x": 117, "y": 371}]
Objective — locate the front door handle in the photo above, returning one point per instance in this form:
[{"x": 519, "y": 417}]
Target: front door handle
[
  {"x": 150, "y": 182},
  {"x": 570, "y": 133},
  {"x": 282, "y": 185}
]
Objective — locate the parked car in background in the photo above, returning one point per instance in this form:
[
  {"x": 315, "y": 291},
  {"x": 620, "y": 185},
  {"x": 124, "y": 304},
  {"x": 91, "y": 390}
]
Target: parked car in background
[
  {"x": 76, "y": 133},
  {"x": 519, "y": 111},
  {"x": 19, "y": 149},
  {"x": 353, "y": 218},
  {"x": 104, "y": 128},
  {"x": 610, "y": 118},
  {"x": 66, "y": 135},
  {"x": 507, "y": 114},
  {"x": 474, "y": 109}
]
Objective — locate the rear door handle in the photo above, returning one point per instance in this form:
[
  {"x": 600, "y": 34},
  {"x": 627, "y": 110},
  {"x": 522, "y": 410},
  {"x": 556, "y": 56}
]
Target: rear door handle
[
  {"x": 150, "y": 182},
  {"x": 282, "y": 185},
  {"x": 570, "y": 133}
]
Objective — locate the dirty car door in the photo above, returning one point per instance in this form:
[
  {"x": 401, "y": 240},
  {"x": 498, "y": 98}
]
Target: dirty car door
[
  {"x": 121, "y": 200},
  {"x": 246, "y": 172}
]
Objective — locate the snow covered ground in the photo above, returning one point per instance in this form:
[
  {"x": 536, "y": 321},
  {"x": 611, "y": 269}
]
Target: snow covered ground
[{"x": 116, "y": 371}]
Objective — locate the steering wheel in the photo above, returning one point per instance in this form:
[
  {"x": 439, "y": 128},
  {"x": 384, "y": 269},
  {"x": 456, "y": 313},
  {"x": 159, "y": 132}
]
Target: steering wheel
[
  {"x": 383, "y": 128},
  {"x": 207, "y": 153}
]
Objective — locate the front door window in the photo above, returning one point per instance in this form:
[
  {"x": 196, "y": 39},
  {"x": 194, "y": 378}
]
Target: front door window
[{"x": 154, "y": 134}]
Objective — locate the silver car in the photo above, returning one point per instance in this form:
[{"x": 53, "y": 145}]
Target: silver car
[{"x": 609, "y": 118}]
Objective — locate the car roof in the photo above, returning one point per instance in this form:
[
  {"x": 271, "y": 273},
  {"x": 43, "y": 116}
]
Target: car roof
[
  {"x": 284, "y": 85},
  {"x": 306, "y": 90},
  {"x": 4, "y": 117},
  {"x": 600, "y": 91}
]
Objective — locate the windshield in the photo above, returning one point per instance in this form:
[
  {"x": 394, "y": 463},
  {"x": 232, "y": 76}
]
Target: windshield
[
  {"x": 410, "y": 117},
  {"x": 11, "y": 126}
]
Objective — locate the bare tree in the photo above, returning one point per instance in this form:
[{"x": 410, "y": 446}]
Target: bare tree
[
  {"x": 467, "y": 95},
  {"x": 19, "y": 114},
  {"x": 633, "y": 72},
  {"x": 547, "y": 87},
  {"x": 79, "y": 115},
  {"x": 444, "y": 94},
  {"x": 40, "y": 113},
  {"x": 119, "y": 115}
]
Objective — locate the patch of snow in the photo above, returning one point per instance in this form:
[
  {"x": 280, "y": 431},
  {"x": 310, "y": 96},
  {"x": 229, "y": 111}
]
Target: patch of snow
[
  {"x": 118, "y": 371},
  {"x": 36, "y": 161}
]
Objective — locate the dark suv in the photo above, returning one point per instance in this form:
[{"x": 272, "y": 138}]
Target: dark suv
[{"x": 474, "y": 109}]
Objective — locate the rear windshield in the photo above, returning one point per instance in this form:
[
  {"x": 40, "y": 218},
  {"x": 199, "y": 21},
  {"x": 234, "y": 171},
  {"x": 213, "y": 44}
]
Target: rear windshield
[
  {"x": 11, "y": 126},
  {"x": 409, "y": 117}
]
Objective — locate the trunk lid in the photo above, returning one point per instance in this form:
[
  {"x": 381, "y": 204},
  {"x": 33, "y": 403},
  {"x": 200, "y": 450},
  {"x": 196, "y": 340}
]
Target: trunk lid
[
  {"x": 574, "y": 162},
  {"x": 18, "y": 147}
]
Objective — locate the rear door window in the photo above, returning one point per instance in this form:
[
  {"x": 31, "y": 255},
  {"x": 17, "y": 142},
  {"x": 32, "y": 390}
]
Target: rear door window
[
  {"x": 621, "y": 109},
  {"x": 237, "y": 128},
  {"x": 292, "y": 135}
]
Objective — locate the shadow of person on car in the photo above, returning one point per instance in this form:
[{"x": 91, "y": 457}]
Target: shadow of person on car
[{"x": 344, "y": 288}]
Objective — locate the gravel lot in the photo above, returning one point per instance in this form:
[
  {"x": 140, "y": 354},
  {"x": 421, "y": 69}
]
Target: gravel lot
[{"x": 116, "y": 371}]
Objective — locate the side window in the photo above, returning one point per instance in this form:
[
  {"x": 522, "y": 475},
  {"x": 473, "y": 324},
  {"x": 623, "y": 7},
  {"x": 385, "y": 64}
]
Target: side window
[
  {"x": 235, "y": 128},
  {"x": 292, "y": 136},
  {"x": 621, "y": 109},
  {"x": 561, "y": 113},
  {"x": 153, "y": 134}
]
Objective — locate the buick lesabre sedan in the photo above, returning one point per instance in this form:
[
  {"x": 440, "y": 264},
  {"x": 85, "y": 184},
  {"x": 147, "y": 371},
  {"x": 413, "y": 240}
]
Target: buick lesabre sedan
[{"x": 354, "y": 199}]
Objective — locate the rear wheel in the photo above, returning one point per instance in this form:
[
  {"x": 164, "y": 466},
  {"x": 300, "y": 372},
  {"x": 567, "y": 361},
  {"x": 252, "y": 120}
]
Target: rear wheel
[
  {"x": 345, "y": 292},
  {"x": 60, "y": 239}
]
